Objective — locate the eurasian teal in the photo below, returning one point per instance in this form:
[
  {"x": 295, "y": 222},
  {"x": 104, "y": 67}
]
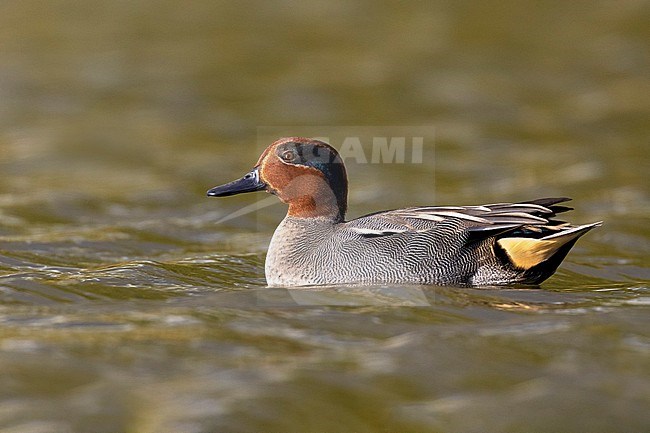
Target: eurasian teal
[{"x": 492, "y": 244}]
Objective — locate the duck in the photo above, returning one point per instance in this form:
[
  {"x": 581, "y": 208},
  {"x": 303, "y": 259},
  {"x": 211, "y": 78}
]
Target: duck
[{"x": 485, "y": 245}]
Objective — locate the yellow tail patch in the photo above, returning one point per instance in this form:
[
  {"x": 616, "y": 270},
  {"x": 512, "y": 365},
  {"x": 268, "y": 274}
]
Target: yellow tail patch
[{"x": 528, "y": 252}]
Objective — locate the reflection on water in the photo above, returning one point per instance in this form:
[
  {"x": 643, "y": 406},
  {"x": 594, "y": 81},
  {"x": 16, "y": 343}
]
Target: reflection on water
[{"x": 130, "y": 302}]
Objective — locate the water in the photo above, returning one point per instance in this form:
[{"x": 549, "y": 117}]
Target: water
[{"x": 125, "y": 306}]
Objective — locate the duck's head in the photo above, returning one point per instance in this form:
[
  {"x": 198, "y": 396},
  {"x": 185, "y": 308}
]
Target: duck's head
[{"x": 307, "y": 174}]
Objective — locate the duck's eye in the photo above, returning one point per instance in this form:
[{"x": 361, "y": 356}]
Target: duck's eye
[{"x": 288, "y": 155}]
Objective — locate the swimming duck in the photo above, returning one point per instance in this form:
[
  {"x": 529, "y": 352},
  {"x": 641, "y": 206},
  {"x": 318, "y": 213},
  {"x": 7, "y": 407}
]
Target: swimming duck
[{"x": 494, "y": 244}]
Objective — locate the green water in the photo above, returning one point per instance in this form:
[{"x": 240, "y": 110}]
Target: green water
[{"x": 130, "y": 302}]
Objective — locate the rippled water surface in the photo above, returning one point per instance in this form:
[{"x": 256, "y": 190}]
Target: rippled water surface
[{"x": 130, "y": 302}]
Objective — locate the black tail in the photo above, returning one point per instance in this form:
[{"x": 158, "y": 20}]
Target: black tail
[{"x": 539, "y": 258}]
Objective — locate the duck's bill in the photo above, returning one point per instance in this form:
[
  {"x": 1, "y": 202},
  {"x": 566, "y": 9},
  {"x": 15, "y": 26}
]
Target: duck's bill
[{"x": 249, "y": 183}]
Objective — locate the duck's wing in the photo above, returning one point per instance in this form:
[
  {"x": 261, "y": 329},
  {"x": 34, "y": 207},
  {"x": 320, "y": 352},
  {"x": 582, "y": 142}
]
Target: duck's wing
[{"x": 534, "y": 217}]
